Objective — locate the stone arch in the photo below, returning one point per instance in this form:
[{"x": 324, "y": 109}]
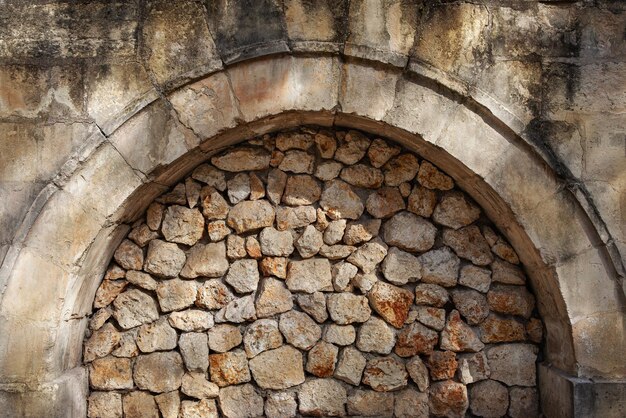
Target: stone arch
[{"x": 67, "y": 239}]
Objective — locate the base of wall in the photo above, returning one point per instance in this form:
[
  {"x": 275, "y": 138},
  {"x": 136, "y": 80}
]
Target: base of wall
[
  {"x": 565, "y": 396},
  {"x": 65, "y": 397}
]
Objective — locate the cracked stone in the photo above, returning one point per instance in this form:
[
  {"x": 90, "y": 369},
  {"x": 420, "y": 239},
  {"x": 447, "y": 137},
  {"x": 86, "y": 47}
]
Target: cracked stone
[
  {"x": 380, "y": 152},
  {"x": 274, "y": 298},
  {"x": 361, "y": 175},
  {"x": 346, "y": 308},
  {"x": 369, "y": 255},
  {"x": 458, "y": 336},
  {"x": 299, "y": 162},
  {"x": 352, "y": 148},
  {"x": 310, "y": 242},
  {"x": 315, "y": 305},
  {"x": 211, "y": 176},
  {"x": 361, "y": 231}
]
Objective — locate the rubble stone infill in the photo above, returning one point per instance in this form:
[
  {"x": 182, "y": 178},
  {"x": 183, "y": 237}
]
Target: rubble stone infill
[{"x": 314, "y": 273}]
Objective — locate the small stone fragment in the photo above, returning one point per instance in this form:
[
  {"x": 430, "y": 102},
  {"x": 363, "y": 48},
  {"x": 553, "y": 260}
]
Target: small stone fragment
[
  {"x": 108, "y": 291},
  {"x": 101, "y": 343},
  {"x": 322, "y": 398},
  {"x": 104, "y": 405},
  {"x": 253, "y": 248},
  {"x": 430, "y": 177},
  {"x": 391, "y": 302},
  {"x": 454, "y": 211},
  {"x": 158, "y": 372},
  {"x": 235, "y": 247},
  {"x": 489, "y": 399},
  {"x": 278, "y": 369},
  {"x": 340, "y": 201},
  {"x": 431, "y": 294},
  {"x": 334, "y": 232},
  {"x": 176, "y": 294},
  {"x": 418, "y": 372},
  {"x": 213, "y": 204},
  {"x": 448, "y": 398},
  {"x": 505, "y": 251},
  {"x": 309, "y": 242},
  {"x": 409, "y": 232},
  {"x": 473, "y": 367},
  {"x": 238, "y": 310},
  {"x": 309, "y": 276},
  {"x": 274, "y": 266},
  {"x": 422, "y": 201},
  {"x": 370, "y": 403},
  {"x": 400, "y": 169},
  {"x": 431, "y": 317},
  {"x": 238, "y": 188},
  {"x": 276, "y": 243},
  {"x": 469, "y": 243},
  {"x": 242, "y": 159},
  {"x": 206, "y": 260},
  {"x": 241, "y": 402},
  {"x": 350, "y": 366},
  {"x": 458, "y": 336},
  {"x": 301, "y": 190},
  {"x": 385, "y": 374},
  {"x": 440, "y": 266},
  {"x": 511, "y": 300},
  {"x": 182, "y": 225},
  {"x": 315, "y": 305},
  {"x": 289, "y": 218},
  {"x": 471, "y": 304},
  {"x": 385, "y": 202},
  {"x": 294, "y": 140},
  {"x": 133, "y": 308},
  {"x": 513, "y": 364},
  {"x": 361, "y": 175},
  {"x": 380, "y": 152},
  {"x": 475, "y": 277},
  {"x": 243, "y": 275},
  {"x": 442, "y": 365},
  {"x": 336, "y": 252},
  {"x": 415, "y": 339},
  {"x": 229, "y": 368},
  {"x": 364, "y": 282},
  {"x": 196, "y": 386},
  {"x": 347, "y": 308},
  {"x": 194, "y": 348},
  {"x": 191, "y": 320},
  {"x": 177, "y": 196},
  {"x": 154, "y": 215},
  {"x": 109, "y": 373},
  {"x": 361, "y": 231},
  {"x": 342, "y": 273},
  {"x": 339, "y": 334},
  {"x": 213, "y": 294},
  {"x": 158, "y": 335},
  {"x": 534, "y": 329},
  {"x": 99, "y": 318},
  {"x": 140, "y": 279},
  {"x": 280, "y": 405},
  {"x": 276, "y": 181},
  {"x": 326, "y": 144},
  {"x": 257, "y": 188},
  {"x": 321, "y": 359},
  {"x": 164, "y": 259},
  {"x": 224, "y": 337},
  {"x": 375, "y": 336},
  {"x": 410, "y": 403},
  {"x": 352, "y": 148},
  {"x": 211, "y": 176},
  {"x": 328, "y": 170},
  {"x": 507, "y": 273},
  {"x": 400, "y": 267},
  {"x": 299, "y": 329},
  {"x": 260, "y": 336},
  {"x": 274, "y": 298},
  {"x": 369, "y": 255},
  {"x": 250, "y": 215}
]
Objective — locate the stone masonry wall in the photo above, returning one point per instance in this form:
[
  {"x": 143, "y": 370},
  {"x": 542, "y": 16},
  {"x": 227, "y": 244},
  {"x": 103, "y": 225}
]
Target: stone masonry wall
[{"x": 313, "y": 273}]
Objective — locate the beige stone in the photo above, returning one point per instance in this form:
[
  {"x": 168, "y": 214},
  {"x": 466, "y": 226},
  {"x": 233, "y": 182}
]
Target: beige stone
[
  {"x": 322, "y": 397},
  {"x": 213, "y": 204},
  {"x": 440, "y": 266},
  {"x": 224, "y": 337},
  {"x": 288, "y": 218},
  {"x": 475, "y": 277},
  {"x": 495, "y": 329},
  {"x": 238, "y": 188},
  {"x": 213, "y": 294},
  {"x": 328, "y": 170},
  {"x": 280, "y": 405},
  {"x": 294, "y": 140},
  {"x": 430, "y": 177},
  {"x": 164, "y": 259},
  {"x": 473, "y": 367},
  {"x": 469, "y": 243},
  {"x": 431, "y": 294},
  {"x": 196, "y": 386},
  {"x": 194, "y": 347},
  {"x": 241, "y": 402},
  {"x": 243, "y": 276},
  {"x": 415, "y": 339},
  {"x": 380, "y": 152},
  {"x": 301, "y": 190},
  {"x": 133, "y": 308},
  {"x": 140, "y": 404},
  {"x": 242, "y": 159},
  {"x": 154, "y": 215},
  {"x": 385, "y": 202},
  {"x": 274, "y": 266},
  {"x": 110, "y": 373},
  {"x": 448, "y": 398},
  {"x": 176, "y": 294},
  {"x": 400, "y": 169},
  {"x": 257, "y": 188},
  {"x": 129, "y": 255},
  {"x": 370, "y": 403},
  {"x": 369, "y": 255},
  {"x": 168, "y": 403},
  {"x": 341, "y": 335},
  {"x": 200, "y": 409},
  {"x": 513, "y": 364},
  {"x": 211, "y": 176},
  {"x": 314, "y": 304},
  {"x": 409, "y": 232},
  {"x": 104, "y": 405},
  {"x": 276, "y": 243},
  {"x": 142, "y": 280},
  {"x": 347, "y": 308},
  {"x": 418, "y": 372},
  {"x": 310, "y": 242},
  {"x": 343, "y": 273},
  {"x": 471, "y": 304},
  {"x": 350, "y": 366},
  {"x": 273, "y": 298},
  {"x": 321, "y": 359},
  {"x": 458, "y": 336},
  {"x": 158, "y": 372},
  {"x": 336, "y": 252},
  {"x": 280, "y": 368},
  {"x": 360, "y": 231},
  {"x": 352, "y": 148},
  {"x": 206, "y": 260},
  {"x": 182, "y": 225},
  {"x": 235, "y": 247},
  {"x": 340, "y": 201},
  {"x": 142, "y": 235},
  {"x": 309, "y": 275},
  {"x": 191, "y": 320},
  {"x": 276, "y": 181},
  {"x": 299, "y": 329},
  {"x": 250, "y": 215},
  {"x": 385, "y": 374},
  {"x": 489, "y": 399},
  {"x": 431, "y": 317},
  {"x": 229, "y": 368},
  {"x": 158, "y": 335},
  {"x": 442, "y": 365},
  {"x": 299, "y": 162},
  {"x": 375, "y": 336},
  {"x": 400, "y": 267},
  {"x": 506, "y": 273},
  {"x": 260, "y": 336},
  {"x": 524, "y": 403},
  {"x": 101, "y": 343},
  {"x": 326, "y": 144},
  {"x": 511, "y": 300},
  {"x": 361, "y": 175},
  {"x": 454, "y": 211},
  {"x": 411, "y": 403}
]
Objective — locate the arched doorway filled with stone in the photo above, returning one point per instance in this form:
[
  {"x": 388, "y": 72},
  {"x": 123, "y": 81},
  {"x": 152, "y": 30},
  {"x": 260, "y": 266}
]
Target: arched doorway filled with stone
[{"x": 314, "y": 272}]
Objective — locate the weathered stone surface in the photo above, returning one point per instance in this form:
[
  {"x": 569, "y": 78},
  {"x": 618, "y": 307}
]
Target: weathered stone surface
[
  {"x": 253, "y": 248},
  {"x": 418, "y": 372},
  {"x": 281, "y": 405},
  {"x": 274, "y": 266},
  {"x": 191, "y": 320},
  {"x": 168, "y": 403},
  {"x": 108, "y": 291},
  {"x": 489, "y": 399},
  {"x": 440, "y": 266},
  {"x": 310, "y": 242},
  {"x": 129, "y": 255},
  {"x": 301, "y": 190},
  {"x": 321, "y": 359},
  {"x": 298, "y": 162},
  {"x": 142, "y": 235},
  {"x": 350, "y": 366},
  {"x": 229, "y": 368},
  {"x": 164, "y": 259},
  {"x": 280, "y": 368},
  {"x": 314, "y": 304},
  {"x": 260, "y": 336},
  {"x": 342, "y": 273},
  {"x": 409, "y": 232},
  {"x": 512, "y": 300},
  {"x": 203, "y": 408},
  {"x": 334, "y": 232},
  {"x": 241, "y": 402},
  {"x": 213, "y": 204},
  {"x": 235, "y": 247},
  {"x": 238, "y": 188},
  {"x": 475, "y": 277},
  {"x": 158, "y": 335},
  {"x": 276, "y": 243},
  {"x": 101, "y": 343},
  {"x": 196, "y": 386},
  {"x": 322, "y": 397},
  {"x": 177, "y": 196},
  {"x": 154, "y": 215},
  {"x": 442, "y": 365},
  {"x": 505, "y": 251},
  {"x": 469, "y": 243},
  {"x": 114, "y": 272},
  {"x": 430, "y": 316},
  {"x": 339, "y": 334},
  {"x": 242, "y": 159},
  {"x": 513, "y": 364},
  {"x": 326, "y": 144},
  {"x": 524, "y": 403},
  {"x": 211, "y": 176},
  {"x": 534, "y": 330},
  {"x": 506, "y": 273},
  {"x": 140, "y": 405},
  {"x": 182, "y": 225},
  {"x": 448, "y": 398},
  {"x": 411, "y": 403},
  {"x": 99, "y": 318},
  {"x": 400, "y": 169},
  {"x": 361, "y": 175},
  {"x": 206, "y": 260},
  {"x": 194, "y": 347},
  {"x": 257, "y": 188},
  {"x": 328, "y": 170},
  {"x": 213, "y": 294},
  {"x": 352, "y": 148},
  {"x": 370, "y": 403},
  {"x": 158, "y": 372},
  {"x": 288, "y": 218},
  {"x": 133, "y": 308},
  {"x": 385, "y": 202},
  {"x": 392, "y": 303},
  {"x": 250, "y": 215},
  {"x": 471, "y": 304},
  {"x": 380, "y": 152},
  {"x": 109, "y": 373},
  {"x": 375, "y": 336},
  {"x": 431, "y": 294},
  {"x": 495, "y": 329},
  {"x": 340, "y": 201},
  {"x": 294, "y": 140},
  {"x": 454, "y": 211},
  {"x": 458, "y": 336},
  {"x": 369, "y": 255},
  {"x": 361, "y": 231},
  {"x": 400, "y": 267},
  {"x": 273, "y": 298},
  {"x": 385, "y": 374},
  {"x": 176, "y": 294},
  {"x": 422, "y": 201},
  {"x": 364, "y": 282},
  {"x": 104, "y": 405},
  {"x": 347, "y": 308},
  {"x": 127, "y": 346},
  {"x": 309, "y": 276},
  {"x": 336, "y": 252},
  {"x": 224, "y": 337},
  {"x": 430, "y": 177},
  {"x": 276, "y": 181},
  {"x": 415, "y": 339},
  {"x": 243, "y": 275},
  {"x": 238, "y": 311},
  {"x": 142, "y": 280},
  {"x": 299, "y": 329},
  {"x": 473, "y": 367}
]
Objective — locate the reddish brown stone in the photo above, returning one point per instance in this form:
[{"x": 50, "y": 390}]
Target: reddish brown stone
[
  {"x": 496, "y": 329},
  {"x": 458, "y": 336},
  {"x": 534, "y": 329},
  {"x": 274, "y": 266},
  {"x": 442, "y": 365},
  {"x": 448, "y": 398},
  {"x": 391, "y": 302},
  {"x": 511, "y": 300},
  {"x": 415, "y": 339}
]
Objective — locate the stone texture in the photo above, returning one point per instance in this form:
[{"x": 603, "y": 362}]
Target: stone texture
[
  {"x": 489, "y": 399},
  {"x": 129, "y": 255},
  {"x": 321, "y": 359},
  {"x": 194, "y": 347},
  {"x": 361, "y": 231},
  {"x": 182, "y": 225},
  {"x": 431, "y": 317},
  {"x": 369, "y": 255},
  {"x": 442, "y": 365},
  {"x": 322, "y": 397},
  {"x": 243, "y": 276},
  {"x": 294, "y": 140},
  {"x": 370, "y": 403},
  {"x": 475, "y": 277},
  {"x": 176, "y": 294},
  {"x": 299, "y": 329},
  {"x": 511, "y": 300},
  {"x": 418, "y": 372},
  {"x": 454, "y": 211},
  {"x": 392, "y": 303},
  {"x": 385, "y": 202},
  {"x": 224, "y": 337},
  {"x": 400, "y": 267},
  {"x": 309, "y": 276},
  {"x": 352, "y": 148},
  {"x": 310, "y": 242},
  {"x": 469, "y": 243},
  {"x": 108, "y": 291},
  {"x": 328, "y": 170},
  {"x": 415, "y": 339},
  {"x": 164, "y": 259},
  {"x": 473, "y": 367},
  {"x": 260, "y": 336},
  {"x": 505, "y": 251},
  {"x": 385, "y": 374},
  {"x": 458, "y": 336},
  {"x": 400, "y": 169},
  {"x": 191, "y": 320},
  {"x": 411, "y": 403},
  {"x": 273, "y": 298},
  {"x": 238, "y": 188},
  {"x": 250, "y": 215},
  {"x": 336, "y": 252},
  {"x": 206, "y": 260},
  {"x": 314, "y": 304},
  {"x": 211, "y": 176},
  {"x": 340, "y": 201},
  {"x": 158, "y": 372},
  {"x": 101, "y": 343},
  {"x": 242, "y": 159},
  {"x": 276, "y": 243},
  {"x": 133, "y": 308},
  {"x": 471, "y": 304},
  {"x": 280, "y": 405},
  {"x": 142, "y": 280},
  {"x": 448, "y": 399},
  {"x": 213, "y": 204},
  {"x": 495, "y": 329},
  {"x": 142, "y": 235},
  {"x": 301, "y": 190},
  {"x": 339, "y": 334},
  {"x": 347, "y": 308},
  {"x": 241, "y": 402},
  {"x": 350, "y": 366},
  {"x": 104, "y": 405},
  {"x": 203, "y": 408},
  {"x": 156, "y": 336},
  {"x": 229, "y": 368},
  {"x": 422, "y": 202},
  {"x": 409, "y": 232},
  {"x": 196, "y": 386},
  {"x": 375, "y": 336},
  {"x": 513, "y": 364},
  {"x": 342, "y": 273},
  {"x": 276, "y": 181},
  {"x": 288, "y": 218},
  {"x": 506, "y": 273},
  {"x": 334, "y": 232},
  {"x": 213, "y": 294},
  {"x": 274, "y": 266},
  {"x": 380, "y": 152},
  {"x": 297, "y": 162},
  {"x": 524, "y": 403},
  {"x": 109, "y": 373},
  {"x": 168, "y": 403},
  {"x": 361, "y": 175},
  {"x": 139, "y": 405},
  {"x": 431, "y": 294},
  {"x": 326, "y": 144},
  {"x": 280, "y": 368},
  {"x": 440, "y": 266},
  {"x": 430, "y": 177}
]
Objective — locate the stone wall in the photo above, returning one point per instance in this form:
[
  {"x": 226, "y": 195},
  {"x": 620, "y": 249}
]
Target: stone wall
[{"x": 314, "y": 272}]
